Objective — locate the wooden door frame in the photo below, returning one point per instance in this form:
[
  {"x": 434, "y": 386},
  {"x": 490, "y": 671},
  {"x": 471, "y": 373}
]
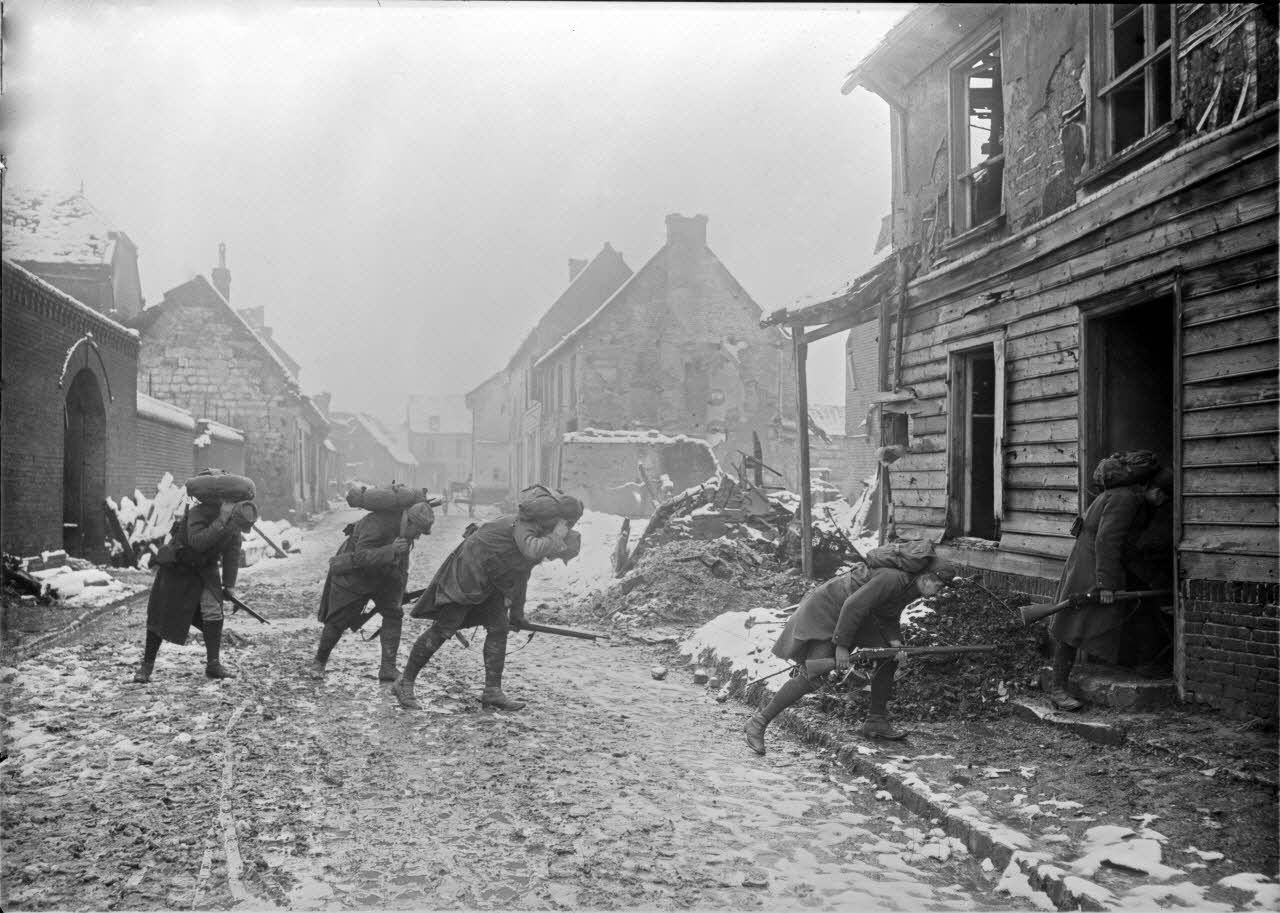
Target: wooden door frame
[{"x": 959, "y": 503}]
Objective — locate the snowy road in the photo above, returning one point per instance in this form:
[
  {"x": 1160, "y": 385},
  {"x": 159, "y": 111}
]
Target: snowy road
[{"x": 611, "y": 790}]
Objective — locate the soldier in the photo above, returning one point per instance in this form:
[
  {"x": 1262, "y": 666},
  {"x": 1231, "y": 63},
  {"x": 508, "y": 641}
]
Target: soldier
[
  {"x": 483, "y": 582},
  {"x": 373, "y": 563},
  {"x": 852, "y": 609},
  {"x": 197, "y": 571}
]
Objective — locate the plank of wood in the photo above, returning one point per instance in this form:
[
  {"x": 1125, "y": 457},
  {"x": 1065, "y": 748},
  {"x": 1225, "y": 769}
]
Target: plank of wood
[
  {"x": 1230, "y": 540},
  {"x": 1258, "y": 417},
  {"x": 1066, "y": 477},
  {"x": 1044, "y": 410},
  {"x": 1042, "y": 455},
  {"x": 1059, "y": 431},
  {"x": 935, "y": 517},
  {"x": 1020, "y": 316},
  {"x": 918, "y": 462},
  {"x": 920, "y": 497},
  {"x": 1003, "y": 560},
  {"x": 1033, "y": 544},
  {"x": 1042, "y": 500},
  {"x": 1059, "y": 339},
  {"x": 931, "y": 443},
  {"x": 1043, "y": 364},
  {"x": 1243, "y": 509},
  {"x": 1223, "y": 335},
  {"x": 1223, "y": 277},
  {"x": 929, "y": 424},
  {"x": 1253, "y": 448},
  {"x": 1232, "y": 301},
  {"x": 1039, "y": 524},
  {"x": 1230, "y": 392},
  {"x": 1244, "y": 568},
  {"x": 1254, "y": 480},
  {"x": 1065, "y": 382},
  {"x": 925, "y": 479},
  {"x": 1256, "y": 357}
]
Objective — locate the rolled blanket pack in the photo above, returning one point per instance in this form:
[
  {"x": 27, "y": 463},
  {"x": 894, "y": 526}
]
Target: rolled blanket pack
[
  {"x": 221, "y": 487},
  {"x": 390, "y": 497}
]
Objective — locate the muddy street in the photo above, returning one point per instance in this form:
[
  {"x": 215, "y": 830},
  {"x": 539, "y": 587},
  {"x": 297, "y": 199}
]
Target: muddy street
[{"x": 611, "y": 790}]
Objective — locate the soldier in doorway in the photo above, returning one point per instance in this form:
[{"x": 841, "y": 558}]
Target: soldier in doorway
[
  {"x": 483, "y": 582},
  {"x": 857, "y": 608},
  {"x": 373, "y": 563}
]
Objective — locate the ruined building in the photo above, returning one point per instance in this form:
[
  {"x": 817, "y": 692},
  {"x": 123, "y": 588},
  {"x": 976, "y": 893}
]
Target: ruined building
[
  {"x": 1084, "y": 261},
  {"x": 676, "y": 349},
  {"x": 438, "y": 432}
]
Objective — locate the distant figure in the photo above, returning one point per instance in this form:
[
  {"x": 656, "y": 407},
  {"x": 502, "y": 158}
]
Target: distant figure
[{"x": 1107, "y": 556}]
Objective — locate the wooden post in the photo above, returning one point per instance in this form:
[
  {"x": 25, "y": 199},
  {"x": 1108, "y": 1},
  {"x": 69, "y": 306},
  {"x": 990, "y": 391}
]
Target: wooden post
[{"x": 806, "y": 493}]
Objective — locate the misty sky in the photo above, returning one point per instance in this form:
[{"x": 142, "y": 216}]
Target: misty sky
[{"x": 402, "y": 186}]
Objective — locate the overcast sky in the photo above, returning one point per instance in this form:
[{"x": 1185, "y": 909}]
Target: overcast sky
[{"x": 402, "y": 186}]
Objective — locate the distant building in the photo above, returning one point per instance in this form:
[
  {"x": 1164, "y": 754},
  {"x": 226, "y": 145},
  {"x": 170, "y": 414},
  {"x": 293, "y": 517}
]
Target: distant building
[
  {"x": 370, "y": 452},
  {"x": 677, "y": 349},
  {"x": 438, "y": 432},
  {"x": 490, "y": 439},
  {"x": 200, "y": 353},
  {"x": 65, "y": 241}
]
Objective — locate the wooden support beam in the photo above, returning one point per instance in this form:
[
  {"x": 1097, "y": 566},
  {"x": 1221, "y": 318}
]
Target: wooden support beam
[{"x": 806, "y": 492}]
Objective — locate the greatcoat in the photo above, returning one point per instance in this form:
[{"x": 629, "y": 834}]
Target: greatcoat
[
  {"x": 375, "y": 572},
  {"x": 849, "y": 613},
  {"x": 209, "y": 561}
]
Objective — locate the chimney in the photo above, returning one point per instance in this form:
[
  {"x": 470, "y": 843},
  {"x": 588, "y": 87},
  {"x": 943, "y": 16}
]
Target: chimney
[
  {"x": 222, "y": 275},
  {"x": 686, "y": 231},
  {"x": 575, "y": 267},
  {"x": 322, "y": 401}
]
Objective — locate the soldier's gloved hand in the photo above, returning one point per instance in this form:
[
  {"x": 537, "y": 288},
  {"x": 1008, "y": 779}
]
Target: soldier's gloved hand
[
  {"x": 901, "y": 656},
  {"x": 225, "y": 509},
  {"x": 400, "y": 547},
  {"x": 842, "y": 659},
  {"x": 228, "y": 592},
  {"x": 517, "y": 621},
  {"x": 1106, "y": 597}
]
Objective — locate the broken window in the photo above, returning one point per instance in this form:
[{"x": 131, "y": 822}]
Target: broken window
[
  {"x": 1135, "y": 72},
  {"x": 977, "y": 138},
  {"x": 975, "y": 490}
]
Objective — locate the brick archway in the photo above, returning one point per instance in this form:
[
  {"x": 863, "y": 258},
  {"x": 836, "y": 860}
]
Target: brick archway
[{"x": 84, "y": 467}]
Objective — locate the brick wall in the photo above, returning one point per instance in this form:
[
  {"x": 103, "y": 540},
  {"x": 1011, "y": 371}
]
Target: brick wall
[
  {"x": 163, "y": 447},
  {"x": 198, "y": 354},
  {"x": 1232, "y": 642},
  {"x": 38, "y": 326}
]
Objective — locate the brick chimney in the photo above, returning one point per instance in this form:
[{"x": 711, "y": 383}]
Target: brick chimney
[
  {"x": 686, "y": 231},
  {"x": 575, "y": 267},
  {"x": 222, "y": 275},
  {"x": 322, "y": 401}
]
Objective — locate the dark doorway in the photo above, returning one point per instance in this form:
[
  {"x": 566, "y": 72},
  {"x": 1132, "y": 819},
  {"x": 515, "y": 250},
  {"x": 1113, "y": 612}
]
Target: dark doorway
[
  {"x": 972, "y": 509},
  {"x": 84, "y": 468},
  {"x": 1128, "y": 384}
]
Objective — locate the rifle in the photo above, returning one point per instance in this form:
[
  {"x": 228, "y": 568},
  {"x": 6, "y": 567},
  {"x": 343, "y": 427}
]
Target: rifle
[
  {"x": 237, "y": 605},
  {"x": 1032, "y": 613},
  {"x": 410, "y": 596},
  {"x": 823, "y": 666},
  {"x": 280, "y": 553},
  {"x": 534, "y": 628}
]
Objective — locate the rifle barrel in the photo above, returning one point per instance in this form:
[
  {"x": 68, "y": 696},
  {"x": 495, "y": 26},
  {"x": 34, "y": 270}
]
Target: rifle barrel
[{"x": 563, "y": 632}]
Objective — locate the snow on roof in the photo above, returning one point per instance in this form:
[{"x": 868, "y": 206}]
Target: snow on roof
[
  {"x": 96, "y": 316},
  {"x": 45, "y": 226},
  {"x": 384, "y": 439},
  {"x": 449, "y": 411},
  {"x": 828, "y": 416},
  {"x": 223, "y": 432},
  {"x": 650, "y": 436},
  {"x": 160, "y": 411}
]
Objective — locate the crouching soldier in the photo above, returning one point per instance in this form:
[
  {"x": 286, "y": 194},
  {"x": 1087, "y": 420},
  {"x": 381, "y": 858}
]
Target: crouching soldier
[
  {"x": 853, "y": 609},
  {"x": 196, "y": 571},
  {"x": 373, "y": 563},
  {"x": 483, "y": 582}
]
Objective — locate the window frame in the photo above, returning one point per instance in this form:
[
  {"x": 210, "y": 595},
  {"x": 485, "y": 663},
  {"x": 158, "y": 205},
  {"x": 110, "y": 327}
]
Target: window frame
[
  {"x": 1103, "y": 159},
  {"x": 960, "y": 178},
  {"x": 959, "y": 505}
]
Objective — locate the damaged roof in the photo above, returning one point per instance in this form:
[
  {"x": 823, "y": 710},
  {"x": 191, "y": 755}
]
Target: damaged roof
[
  {"x": 383, "y": 438},
  {"x": 45, "y": 226},
  {"x": 860, "y": 301}
]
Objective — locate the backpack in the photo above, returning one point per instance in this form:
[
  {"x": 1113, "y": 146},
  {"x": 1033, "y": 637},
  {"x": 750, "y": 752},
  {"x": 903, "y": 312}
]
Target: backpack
[
  {"x": 1125, "y": 467},
  {"x": 914, "y": 557},
  {"x": 390, "y": 497},
  {"x": 538, "y": 504}
]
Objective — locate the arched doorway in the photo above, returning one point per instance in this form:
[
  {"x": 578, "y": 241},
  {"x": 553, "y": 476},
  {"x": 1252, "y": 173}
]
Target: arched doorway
[{"x": 84, "y": 468}]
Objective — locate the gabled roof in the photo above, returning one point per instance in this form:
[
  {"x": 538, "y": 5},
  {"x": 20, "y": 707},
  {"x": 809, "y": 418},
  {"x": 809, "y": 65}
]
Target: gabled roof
[
  {"x": 450, "y": 411},
  {"x": 45, "y": 226},
  {"x": 22, "y": 274},
  {"x": 202, "y": 286},
  {"x": 383, "y": 438},
  {"x": 829, "y": 417}
]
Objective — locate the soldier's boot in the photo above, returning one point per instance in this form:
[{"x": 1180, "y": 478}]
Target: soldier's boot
[
  {"x": 389, "y": 638},
  {"x": 792, "y": 690},
  {"x": 143, "y": 675},
  {"x": 149, "y": 653},
  {"x": 419, "y": 654},
  {"x": 878, "y": 726},
  {"x": 495, "y": 659},
  {"x": 1064, "y": 657},
  {"x": 213, "y": 667},
  {"x": 329, "y": 638}
]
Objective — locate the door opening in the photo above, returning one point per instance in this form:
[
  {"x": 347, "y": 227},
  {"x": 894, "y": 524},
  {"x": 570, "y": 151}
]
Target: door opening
[
  {"x": 973, "y": 509},
  {"x": 84, "y": 468}
]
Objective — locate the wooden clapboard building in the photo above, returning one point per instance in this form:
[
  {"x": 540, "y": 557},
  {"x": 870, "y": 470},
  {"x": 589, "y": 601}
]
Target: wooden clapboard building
[{"x": 1085, "y": 251}]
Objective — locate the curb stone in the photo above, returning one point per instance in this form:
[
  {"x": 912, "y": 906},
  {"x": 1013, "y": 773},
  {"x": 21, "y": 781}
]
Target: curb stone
[{"x": 983, "y": 837}]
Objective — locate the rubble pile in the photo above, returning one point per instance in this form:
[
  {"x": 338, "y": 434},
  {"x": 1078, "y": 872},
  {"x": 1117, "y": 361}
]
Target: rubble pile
[{"x": 969, "y": 686}]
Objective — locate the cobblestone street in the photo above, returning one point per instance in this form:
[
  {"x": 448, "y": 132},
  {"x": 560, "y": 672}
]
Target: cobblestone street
[{"x": 611, "y": 790}]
